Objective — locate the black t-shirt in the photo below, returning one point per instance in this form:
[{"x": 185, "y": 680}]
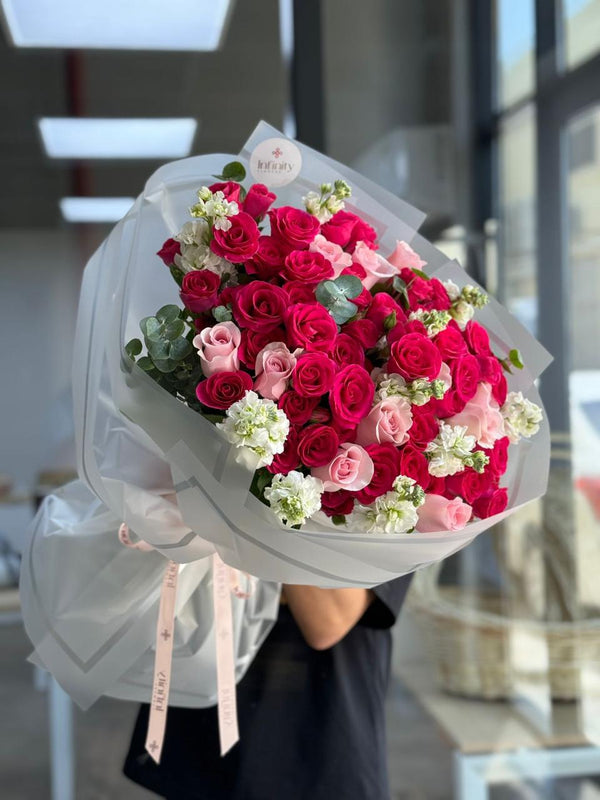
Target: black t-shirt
[{"x": 312, "y": 722}]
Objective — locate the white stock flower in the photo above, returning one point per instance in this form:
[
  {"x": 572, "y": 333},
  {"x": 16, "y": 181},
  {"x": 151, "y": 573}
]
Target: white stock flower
[
  {"x": 462, "y": 312},
  {"x": 392, "y": 385},
  {"x": 408, "y": 489},
  {"x": 294, "y": 497},
  {"x": 388, "y": 514},
  {"x": 258, "y": 425},
  {"x": 215, "y": 208},
  {"x": 434, "y": 321},
  {"x": 452, "y": 289},
  {"x": 417, "y": 392},
  {"x": 448, "y": 451},
  {"x": 200, "y": 256},
  {"x": 521, "y": 417}
]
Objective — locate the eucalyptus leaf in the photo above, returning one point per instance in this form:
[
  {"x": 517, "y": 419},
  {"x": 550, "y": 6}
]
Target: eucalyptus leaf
[
  {"x": 165, "y": 364},
  {"x": 146, "y": 364},
  {"x": 342, "y": 311},
  {"x": 338, "y": 519},
  {"x": 173, "y": 330},
  {"x": 349, "y": 285},
  {"x": 150, "y": 327},
  {"x": 167, "y": 313},
  {"x": 159, "y": 348},
  {"x": 327, "y": 292},
  {"x": 180, "y": 349},
  {"x": 133, "y": 348},
  {"x": 222, "y": 314}
]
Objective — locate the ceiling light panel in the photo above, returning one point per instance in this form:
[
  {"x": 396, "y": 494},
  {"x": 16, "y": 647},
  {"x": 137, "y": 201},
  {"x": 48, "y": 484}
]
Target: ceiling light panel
[
  {"x": 113, "y": 24},
  {"x": 95, "y": 209},
  {"x": 78, "y": 137}
]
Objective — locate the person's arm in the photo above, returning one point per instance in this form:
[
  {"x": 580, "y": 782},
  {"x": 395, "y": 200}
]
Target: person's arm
[{"x": 326, "y": 615}]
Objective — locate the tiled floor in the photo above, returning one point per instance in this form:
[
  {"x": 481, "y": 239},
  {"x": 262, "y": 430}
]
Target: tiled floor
[{"x": 420, "y": 760}]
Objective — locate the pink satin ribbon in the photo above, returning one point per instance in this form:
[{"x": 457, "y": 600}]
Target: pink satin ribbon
[{"x": 226, "y": 581}]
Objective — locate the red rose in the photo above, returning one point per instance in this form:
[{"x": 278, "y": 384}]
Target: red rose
[
  {"x": 254, "y": 341},
  {"x": 258, "y": 200},
  {"x": 415, "y": 356},
  {"x": 288, "y": 460},
  {"x": 382, "y": 307},
  {"x": 470, "y": 484},
  {"x": 450, "y": 342},
  {"x": 267, "y": 262},
  {"x": 364, "y": 331},
  {"x": 292, "y": 228},
  {"x": 352, "y": 395},
  {"x": 299, "y": 291},
  {"x": 320, "y": 415},
  {"x": 498, "y": 457},
  {"x": 346, "y": 229},
  {"x": 240, "y": 242},
  {"x": 168, "y": 251},
  {"x": 223, "y": 388},
  {"x": 500, "y": 390},
  {"x": 448, "y": 406},
  {"x": 337, "y": 504},
  {"x": 310, "y": 326},
  {"x": 465, "y": 377},
  {"x": 297, "y": 409},
  {"x": 230, "y": 189},
  {"x": 259, "y": 305},
  {"x": 355, "y": 269},
  {"x": 490, "y": 369},
  {"x": 346, "y": 350},
  {"x": 313, "y": 374},
  {"x": 318, "y": 445},
  {"x": 199, "y": 290},
  {"x": 428, "y": 294},
  {"x": 363, "y": 300},
  {"x": 414, "y": 465},
  {"x": 437, "y": 485},
  {"x": 303, "y": 265},
  {"x": 489, "y": 505},
  {"x": 386, "y": 460},
  {"x": 477, "y": 338},
  {"x": 424, "y": 428}
]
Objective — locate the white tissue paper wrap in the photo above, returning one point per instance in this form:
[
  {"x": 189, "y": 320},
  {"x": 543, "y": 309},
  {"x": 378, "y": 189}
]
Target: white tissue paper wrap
[{"x": 168, "y": 473}]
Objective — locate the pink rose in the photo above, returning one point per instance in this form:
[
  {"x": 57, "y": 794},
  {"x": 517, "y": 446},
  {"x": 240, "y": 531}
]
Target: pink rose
[
  {"x": 440, "y": 514},
  {"x": 273, "y": 368},
  {"x": 298, "y": 409},
  {"x": 303, "y": 265},
  {"x": 352, "y": 395},
  {"x": 169, "y": 250},
  {"x": 259, "y": 306},
  {"x": 254, "y": 341},
  {"x": 218, "y": 348},
  {"x": 314, "y": 374},
  {"x": 230, "y": 189},
  {"x": 318, "y": 445},
  {"x": 482, "y": 417},
  {"x": 240, "y": 242},
  {"x": 445, "y": 376},
  {"x": 376, "y": 267},
  {"x": 199, "y": 290},
  {"x": 338, "y": 259},
  {"x": 352, "y": 469},
  {"x": 415, "y": 356},
  {"x": 258, "y": 200},
  {"x": 267, "y": 262},
  {"x": 223, "y": 389},
  {"x": 404, "y": 257},
  {"x": 292, "y": 228},
  {"x": 388, "y": 421},
  {"x": 310, "y": 326},
  {"x": 386, "y": 463}
]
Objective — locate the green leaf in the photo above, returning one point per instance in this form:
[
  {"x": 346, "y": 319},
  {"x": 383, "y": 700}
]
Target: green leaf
[
  {"x": 173, "y": 330},
  {"x": 338, "y": 519},
  {"x": 222, "y": 314},
  {"x": 263, "y": 479},
  {"x": 327, "y": 292},
  {"x": 165, "y": 364},
  {"x": 342, "y": 311},
  {"x": 177, "y": 275},
  {"x": 167, "y": 313},
  {"x": 400, "y": 286},
  {"x": 349, "y": 285},
  {"x": 234, "y": 171},
  {"x": 158, "y": 348},
  {"x": 390, "y": 321},
  {"x": 146, "y": 364},
  {"x": 133, "y": 348},
  {"x": 516, "y": 359},
  {"x": 150, "y": 327},
  {"x": 420, "y": 273},
  {"x": 180, "y": 349}
]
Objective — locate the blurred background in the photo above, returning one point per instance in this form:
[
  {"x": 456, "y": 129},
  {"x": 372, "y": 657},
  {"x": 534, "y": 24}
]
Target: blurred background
[{"x": 485, "y": 114}]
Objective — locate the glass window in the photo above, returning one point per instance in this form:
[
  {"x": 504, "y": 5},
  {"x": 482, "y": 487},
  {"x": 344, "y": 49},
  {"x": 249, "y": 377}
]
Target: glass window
[
  {"x": 581, "y": 30},
  {"x": 516, "y": 211},
  {"x": 515, "y": 33}
]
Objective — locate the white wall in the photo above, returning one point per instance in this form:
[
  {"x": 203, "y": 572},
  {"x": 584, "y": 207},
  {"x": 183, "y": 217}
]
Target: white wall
[{"x": 40, "y": 274}]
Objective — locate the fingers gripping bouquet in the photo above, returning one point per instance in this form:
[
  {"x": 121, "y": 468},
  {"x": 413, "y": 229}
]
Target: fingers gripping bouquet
[{"x": 360, "y": 391}]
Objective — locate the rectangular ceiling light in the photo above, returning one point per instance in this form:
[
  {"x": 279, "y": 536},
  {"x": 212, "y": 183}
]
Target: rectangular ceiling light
[
  {"x": 117, "y": 25},
  {"x": 95, "y": 209},
  {"x": 80, "y": 137}
]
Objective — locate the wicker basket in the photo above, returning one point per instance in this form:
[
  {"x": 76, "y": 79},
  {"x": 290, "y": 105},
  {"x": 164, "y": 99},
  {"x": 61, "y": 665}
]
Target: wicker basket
[{"x": 481, "y": 652}]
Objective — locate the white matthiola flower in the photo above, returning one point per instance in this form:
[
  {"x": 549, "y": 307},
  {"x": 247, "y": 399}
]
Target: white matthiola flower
[
  {"x": 408, "y": 489},
  {"x": 521, "y": 417},
  {"x": 200, "y": 256},
  {"x": 417, "y": 392},
  {"x": 452, "y": 289},
  {"x": 258, "y": 425},
  {"x": 294, "y": 497},
  {"x": 214, "y": 208},
  {"x": 392, "y": 385},
  {"x": 449, "y": 450},
  {"x": 388, "y": 514},
  {"x": 462, "y": 312},
  {"x": 434, "y": 321},
  {"x": 195, "y": 232}
]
